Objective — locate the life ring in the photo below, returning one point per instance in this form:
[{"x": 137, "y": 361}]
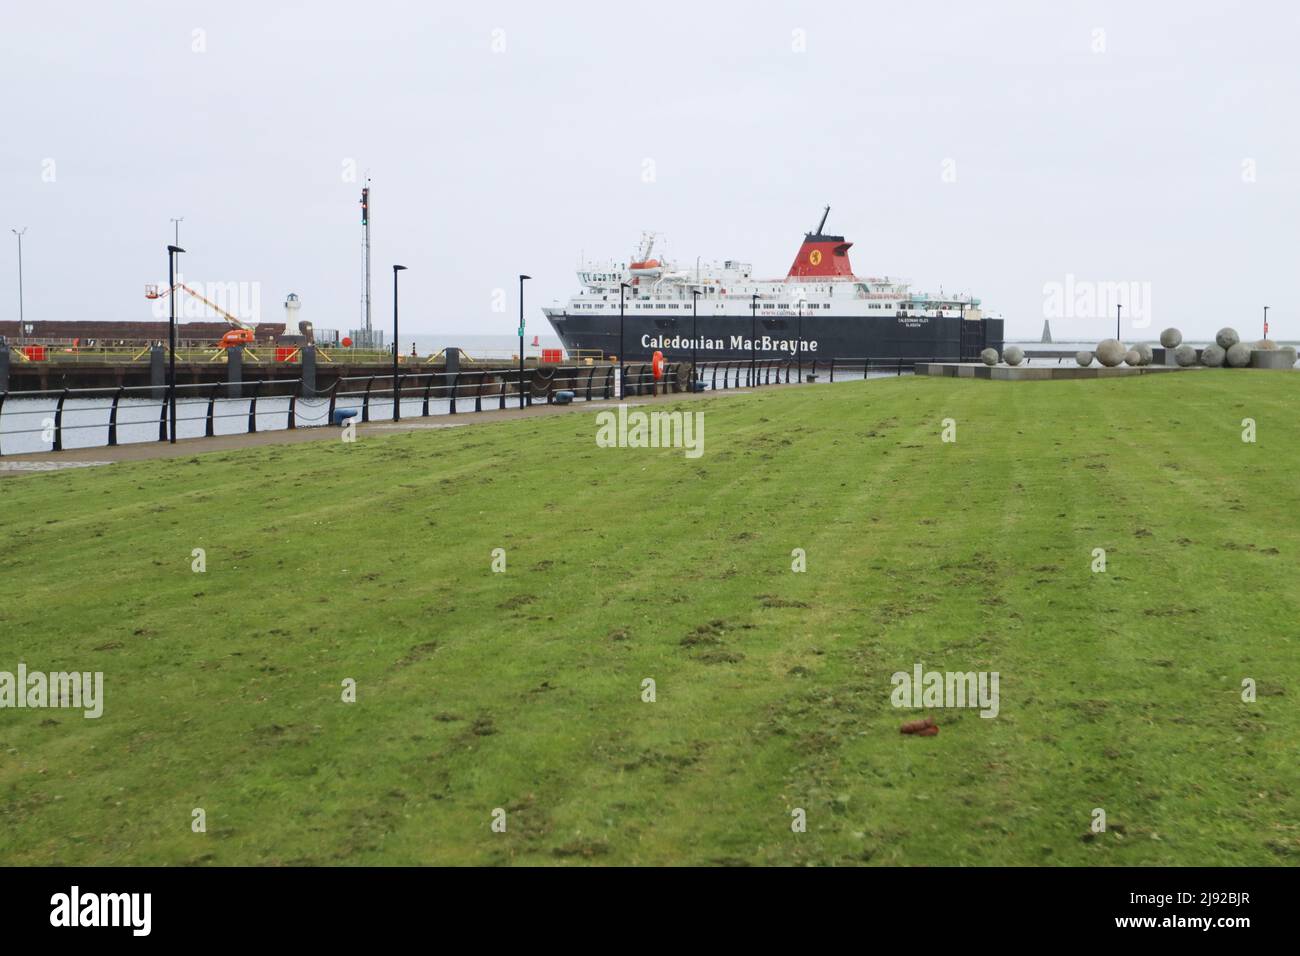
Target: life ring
[{"x": 657, "y": 362}]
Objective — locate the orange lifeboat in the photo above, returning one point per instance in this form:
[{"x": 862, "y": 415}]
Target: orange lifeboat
[{"x": 647, "y": 267}]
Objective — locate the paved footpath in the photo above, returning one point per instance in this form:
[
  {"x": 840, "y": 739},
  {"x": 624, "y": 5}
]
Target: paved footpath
[{"x": 43, "y": 461}]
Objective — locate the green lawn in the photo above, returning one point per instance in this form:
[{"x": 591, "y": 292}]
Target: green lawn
[{"x": 522, "y": 691}]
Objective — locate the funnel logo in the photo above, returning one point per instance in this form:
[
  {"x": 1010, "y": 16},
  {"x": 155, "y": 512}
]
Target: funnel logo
[{"x": 815, "y": 258}]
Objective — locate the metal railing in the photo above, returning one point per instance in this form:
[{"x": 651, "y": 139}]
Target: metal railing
[
  {"x": 110, "y": 400},
  {"x": 205, "y": 405}
]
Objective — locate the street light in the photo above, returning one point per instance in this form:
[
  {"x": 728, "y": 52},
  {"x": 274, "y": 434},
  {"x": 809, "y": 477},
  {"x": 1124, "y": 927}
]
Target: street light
[
  {"x": 1265, "y": 321},
  {"x": 622, "y": 359},
  {"x": 397, "y": 395},
  {"x": 695, "y": 308},
  {"x": 21, "y": 333},
  {"x": 798, "y": 342},
  {"x": 753, "y": 335},
  {"x": 171, "y": 340},
  {"x": 521, "y": 339},
  {"x": 1118, "y": 309}
]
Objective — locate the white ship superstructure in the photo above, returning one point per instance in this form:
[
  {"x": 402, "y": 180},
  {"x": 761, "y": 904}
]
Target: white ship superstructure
[
  {"x": 728, "y": 288},
  {"x": 651, "y": 303}
]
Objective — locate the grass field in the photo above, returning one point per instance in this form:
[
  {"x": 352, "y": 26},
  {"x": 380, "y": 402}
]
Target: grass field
[{"x": 522, "y": 690}]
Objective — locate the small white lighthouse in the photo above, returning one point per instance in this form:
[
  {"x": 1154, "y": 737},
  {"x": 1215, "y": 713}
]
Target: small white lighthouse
[{"x": 292, "y": 329}]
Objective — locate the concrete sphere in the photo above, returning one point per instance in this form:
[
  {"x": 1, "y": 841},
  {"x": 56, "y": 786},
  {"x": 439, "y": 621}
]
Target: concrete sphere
[
  {"x": 1013, "y": 355},
  {"x": 1268, "y": 345},
  {"x": 1239, "y": 355},
  {"x": 1185, "y": 355},
  {"x": 1131, "y": 357},
  {"x": 1227, "y": 338},
  {"x": 1212, "y": 356},
  {"x": 1083, "y": 358},
  {"x": 1171, "y": 338},
  {"x": 1110, "y": 352},
  {"x": 1145, "y": 354},
  {"x": 989, "y": 356}
]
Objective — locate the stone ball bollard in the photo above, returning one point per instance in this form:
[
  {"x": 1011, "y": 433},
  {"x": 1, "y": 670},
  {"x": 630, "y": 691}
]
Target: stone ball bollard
[
  {"x": 1132, "y": 358},
  {"x": 1171, "y": 338},
  {"x": 1239, "y": 355},
  {"x": 1083, "y": 358},
  {"x": 1267, "y": 345},
  {"x": 1185, "y": 355},
  {"x": 1110, "y": 352},
  {"x": 1227, "y": 338},
  {"x": 989, "y": 356},
  {"x": 1145, "y": 354},
  {"x": 1212, "y": 356},
  {"x": 1013, "y": 355}
]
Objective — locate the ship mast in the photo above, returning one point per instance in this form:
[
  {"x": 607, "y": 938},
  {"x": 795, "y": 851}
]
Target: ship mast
[{"x": 822, "y": 225}]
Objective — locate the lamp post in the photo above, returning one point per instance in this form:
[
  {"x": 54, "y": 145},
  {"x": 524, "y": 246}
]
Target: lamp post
[
  {"x": 1265, "y": 321},
  {"x": 695, "y": 308},
  {"x": 176, "y": 233},
  {"x": 798, "y": 343},
  {"x": 1118, "y": 309},
  {"x": 521, "y": 339},
  {"x": 753, "y": 334},
  {"x": 171, "y": 340},
  {"x": 21, "y": 327},
  {"x": 622, "y": 363},
  {"x": 397, "y": 394}
]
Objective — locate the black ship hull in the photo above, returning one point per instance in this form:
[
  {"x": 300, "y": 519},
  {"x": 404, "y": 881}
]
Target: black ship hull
[{"x": 820, "y": 337}]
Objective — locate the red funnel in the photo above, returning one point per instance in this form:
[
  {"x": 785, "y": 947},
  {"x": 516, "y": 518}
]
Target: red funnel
[{"x": 822, "y": 254}]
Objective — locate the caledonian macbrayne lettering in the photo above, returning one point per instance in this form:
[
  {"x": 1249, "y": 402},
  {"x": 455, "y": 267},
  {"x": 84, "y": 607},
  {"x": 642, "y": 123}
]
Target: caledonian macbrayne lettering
[{"x": 737, "y": 342}]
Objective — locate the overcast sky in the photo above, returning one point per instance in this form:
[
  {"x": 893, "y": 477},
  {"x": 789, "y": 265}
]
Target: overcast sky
[{"x": 992, "y": 148}]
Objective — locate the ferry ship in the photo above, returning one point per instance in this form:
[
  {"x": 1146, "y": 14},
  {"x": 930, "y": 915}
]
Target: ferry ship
[{"x": 821, "y": 310}]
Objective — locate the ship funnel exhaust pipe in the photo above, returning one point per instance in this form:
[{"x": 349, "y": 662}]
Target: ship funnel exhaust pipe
[{"x": 822, "y": 255}]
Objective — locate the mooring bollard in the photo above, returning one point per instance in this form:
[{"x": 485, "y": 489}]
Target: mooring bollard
[
  {"x": 235, "y": 371},
  {"x": 157, "y": 373},
  {"x": 308, "y": 355}
]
